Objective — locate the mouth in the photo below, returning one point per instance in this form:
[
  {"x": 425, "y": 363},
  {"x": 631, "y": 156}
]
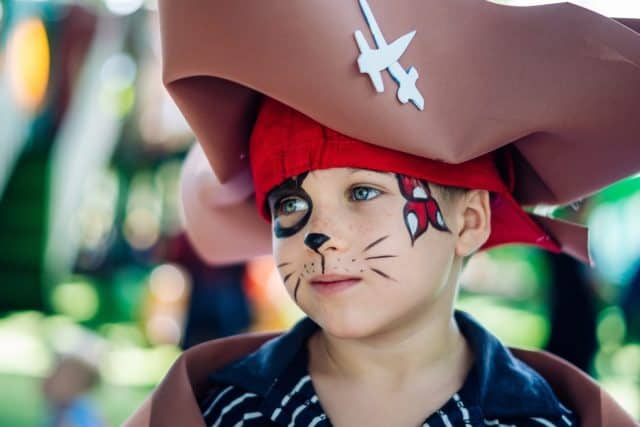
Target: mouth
[{"x": 333, "y": 282}]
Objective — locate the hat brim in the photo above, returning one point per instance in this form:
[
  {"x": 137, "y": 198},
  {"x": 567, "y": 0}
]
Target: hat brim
[{"x": 559, "y": 82}]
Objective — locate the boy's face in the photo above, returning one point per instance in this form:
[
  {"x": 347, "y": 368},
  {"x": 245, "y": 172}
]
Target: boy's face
[{"x": 362, "y": 252}]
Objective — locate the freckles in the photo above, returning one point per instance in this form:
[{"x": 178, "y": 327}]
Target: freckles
[
  {"x": 309, "y": 268},
  {"x": 365, "y": 230}
]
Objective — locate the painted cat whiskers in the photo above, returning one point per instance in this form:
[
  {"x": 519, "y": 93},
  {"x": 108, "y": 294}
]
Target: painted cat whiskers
[
  {"x": 375, "y": 270},
  {"x": 310, "y": 268}
]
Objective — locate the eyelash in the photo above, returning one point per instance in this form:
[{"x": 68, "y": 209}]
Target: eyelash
[
  {"x": 370, "y": 189},
  {"x": 281, "y": 203}
]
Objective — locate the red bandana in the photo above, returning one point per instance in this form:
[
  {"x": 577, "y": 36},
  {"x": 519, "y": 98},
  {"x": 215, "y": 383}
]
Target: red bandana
[{"x": 286, "y": 143}]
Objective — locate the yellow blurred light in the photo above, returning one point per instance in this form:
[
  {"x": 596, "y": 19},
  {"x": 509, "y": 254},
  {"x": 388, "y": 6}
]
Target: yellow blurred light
[
  {"x": 273, "y": 308},
  {"x": 28, "y": 63},
  {"x": 23, "y": 354},
  {"x": 123, "y": 334},
  {"x": 625, "y": 392},
  {"x": 602, "y": 363},
  {"x": 118, "y": 75},
  {"x": 626, "y": 361},
  {"x": 611, "y": 329},
  {"x": 137, "y": 366},
  {"x": 96, "y": 213},
  {"x": 168, "y": 283},
  {"x": 163, "y": 329},
  {"x": 514, "y": 326},
  {"x": 512, "y": 278},
  {"x": 78, "y": 300},
  {"x": 64, "y": 338},
  {"x": 23, "y": 349},
  {"x": 141, "y": 228}
]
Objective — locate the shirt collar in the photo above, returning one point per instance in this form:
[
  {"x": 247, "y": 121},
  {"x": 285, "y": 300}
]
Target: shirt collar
[{"x": 500, "y": 384}]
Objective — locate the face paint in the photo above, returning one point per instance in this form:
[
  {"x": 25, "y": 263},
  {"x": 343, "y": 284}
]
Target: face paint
[
  {"x": 314, "y": 241},
  {"x": 421, "y": 208},
  {"x": 360, "y": 211},
  {"x": 295, "y": 291},
  {"x": 375, "y": 242},
  {"x": 290, "y": 207},
  {"x": 378, "y": 257},
  {"x": 286, "y": 279}
]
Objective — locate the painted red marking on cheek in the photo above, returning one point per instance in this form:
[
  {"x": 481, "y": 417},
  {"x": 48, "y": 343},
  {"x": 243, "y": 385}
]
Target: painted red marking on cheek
[
  {"x": 434, "y": 215},
  {"x": 415, "y": 217},
  {"x": 421, "y": 209},
  {"x": 413, "y": 189}
]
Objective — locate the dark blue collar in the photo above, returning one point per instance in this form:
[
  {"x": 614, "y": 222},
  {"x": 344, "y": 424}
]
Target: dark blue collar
[
  {"x": 499, "y": 384},
  {"x": 502, "y": 385}
]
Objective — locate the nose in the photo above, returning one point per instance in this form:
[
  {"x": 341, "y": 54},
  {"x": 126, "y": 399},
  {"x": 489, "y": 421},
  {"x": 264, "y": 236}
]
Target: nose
[{"x": 315, "y": 240}]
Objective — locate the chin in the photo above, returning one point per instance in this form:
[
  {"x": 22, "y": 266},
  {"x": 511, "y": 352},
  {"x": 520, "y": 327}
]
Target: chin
[{"x": 346, "y": 326}]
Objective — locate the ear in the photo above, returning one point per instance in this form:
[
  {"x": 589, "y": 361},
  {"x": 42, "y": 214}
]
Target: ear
[{"x": 475, "y": 222}]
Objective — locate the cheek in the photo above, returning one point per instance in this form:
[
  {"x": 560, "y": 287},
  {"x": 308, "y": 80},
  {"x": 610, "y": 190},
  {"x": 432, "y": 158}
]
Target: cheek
[
  {"x": 283, "y": 249},
  {"x": 290, "y": 257},
  {"x": 432, "y": 254},
  {"x": 386, "y": 220}
]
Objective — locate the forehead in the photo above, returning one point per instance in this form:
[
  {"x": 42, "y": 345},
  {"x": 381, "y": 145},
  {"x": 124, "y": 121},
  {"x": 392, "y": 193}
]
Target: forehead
[
  {"x": 347, "y": 173},
  {"x": 328, "y": 176}
]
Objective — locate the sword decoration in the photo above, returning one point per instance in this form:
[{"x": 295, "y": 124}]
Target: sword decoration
[{"x": 385, "y": 56}]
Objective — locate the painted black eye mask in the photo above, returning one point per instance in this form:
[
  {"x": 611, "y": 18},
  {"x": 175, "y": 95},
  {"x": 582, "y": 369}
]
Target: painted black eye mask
[{"x": 292, "y": 187}]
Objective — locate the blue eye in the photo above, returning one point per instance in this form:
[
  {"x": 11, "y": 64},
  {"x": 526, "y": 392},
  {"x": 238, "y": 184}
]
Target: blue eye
[
  {"x": 364, "y": 193},
  {"x": 291, "y": 205}
]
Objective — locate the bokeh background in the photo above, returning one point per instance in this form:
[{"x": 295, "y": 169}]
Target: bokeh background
[{"x": 94, "y": 264}]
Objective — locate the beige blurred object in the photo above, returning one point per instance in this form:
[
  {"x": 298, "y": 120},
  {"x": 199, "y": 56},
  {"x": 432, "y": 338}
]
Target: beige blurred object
[{"x": 221, "y": 220}]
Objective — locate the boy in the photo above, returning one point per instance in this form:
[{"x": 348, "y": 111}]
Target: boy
[
  {"x": 461, "y": 86},
  {"x": 371, "y": 251}
]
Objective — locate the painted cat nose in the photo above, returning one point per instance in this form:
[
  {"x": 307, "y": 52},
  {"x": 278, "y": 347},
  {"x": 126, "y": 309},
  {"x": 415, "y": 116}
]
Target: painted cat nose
[{"x": 315, "y": 240}]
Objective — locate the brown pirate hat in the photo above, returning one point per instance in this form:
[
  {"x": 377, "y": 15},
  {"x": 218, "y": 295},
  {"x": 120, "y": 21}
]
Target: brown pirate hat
[{"x": 444, "y": 79}]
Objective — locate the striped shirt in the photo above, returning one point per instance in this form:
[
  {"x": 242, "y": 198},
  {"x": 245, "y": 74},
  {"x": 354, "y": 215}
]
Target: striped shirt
[{"x": 272, "y": 387}]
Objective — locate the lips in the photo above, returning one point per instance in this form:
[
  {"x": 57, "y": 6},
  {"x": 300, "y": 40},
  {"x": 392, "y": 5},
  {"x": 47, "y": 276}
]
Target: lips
[
  {"x": 333, "y": 282},
  {"x": 327, "y": 279}
]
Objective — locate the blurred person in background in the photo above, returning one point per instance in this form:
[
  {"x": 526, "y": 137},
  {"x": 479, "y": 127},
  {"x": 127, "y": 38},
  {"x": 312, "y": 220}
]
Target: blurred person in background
[
  {"x": 218, "y": 306},
  {"x": 66, "y": 391},
  {"x": 573, "y": 312}
]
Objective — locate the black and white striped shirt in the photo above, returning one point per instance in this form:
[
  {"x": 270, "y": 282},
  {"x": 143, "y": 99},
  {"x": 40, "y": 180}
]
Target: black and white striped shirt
[{"x": 272, "y": 387}]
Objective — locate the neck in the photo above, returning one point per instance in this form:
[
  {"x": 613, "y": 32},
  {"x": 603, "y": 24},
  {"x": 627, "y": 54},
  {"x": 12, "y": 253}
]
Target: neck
[{"x": 425, "y": 347}]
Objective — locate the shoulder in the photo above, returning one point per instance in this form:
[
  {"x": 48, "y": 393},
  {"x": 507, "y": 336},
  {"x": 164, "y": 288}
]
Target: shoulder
[
  {"x": 580, "y": 392},
  {"x": 228, "y": 405},
  {"x": 258, "y": 382}
]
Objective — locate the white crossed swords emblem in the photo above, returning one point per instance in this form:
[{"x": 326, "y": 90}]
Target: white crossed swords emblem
[{"x": 385, "y": 56}]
